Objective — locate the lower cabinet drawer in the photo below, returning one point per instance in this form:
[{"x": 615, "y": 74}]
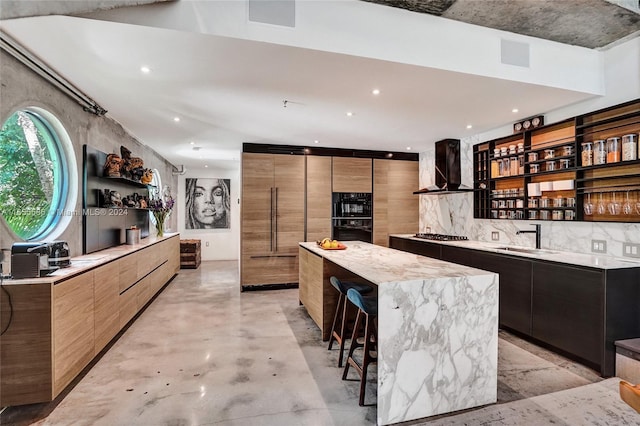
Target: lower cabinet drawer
[{"x": 269, "y": 269}]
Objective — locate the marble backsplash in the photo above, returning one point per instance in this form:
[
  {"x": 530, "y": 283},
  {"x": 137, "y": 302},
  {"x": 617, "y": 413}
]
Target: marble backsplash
[{"x": 453, "y": 214}]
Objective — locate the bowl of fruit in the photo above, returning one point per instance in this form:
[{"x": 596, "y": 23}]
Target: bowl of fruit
[{"x": 329, "y": 244}]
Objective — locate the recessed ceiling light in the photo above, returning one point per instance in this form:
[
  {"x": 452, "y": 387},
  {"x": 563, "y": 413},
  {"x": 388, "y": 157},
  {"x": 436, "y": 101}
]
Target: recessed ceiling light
[
  {"x": 349, "y": 114},
  {"x": 514, "y": 110},
  {"x": 469, "y": 126},
  {"x": 408, "y": 148},
  {"x": 205, "y": 166},
  {"x": 145, "y": 69},
  {"x": 376, "y": 91},
  {"x": 192, "y": 143},
  {"x": 176, "y": 119},
  {"x": 316, "y": 141}
]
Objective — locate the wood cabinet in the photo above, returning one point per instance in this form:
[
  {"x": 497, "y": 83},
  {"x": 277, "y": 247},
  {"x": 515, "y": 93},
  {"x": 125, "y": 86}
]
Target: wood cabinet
[
  {"x": 273, "y": 190},
  {"x": 351, "y": 174},
  {"x": 59, "y": 325},
  {"x": 318, "y": 198},
  {"x": 106, "y": 307},
  {"x": 395, "y": 208},
  {"x": 73, "y": 328}
]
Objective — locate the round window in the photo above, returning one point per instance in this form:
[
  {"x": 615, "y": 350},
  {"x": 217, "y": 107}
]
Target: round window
[{"x": 38, "y": 177}]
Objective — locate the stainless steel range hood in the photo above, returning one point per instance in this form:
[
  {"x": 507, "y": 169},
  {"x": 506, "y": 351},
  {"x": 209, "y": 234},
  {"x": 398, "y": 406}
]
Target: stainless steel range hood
[{"x": 447, "y": 170}]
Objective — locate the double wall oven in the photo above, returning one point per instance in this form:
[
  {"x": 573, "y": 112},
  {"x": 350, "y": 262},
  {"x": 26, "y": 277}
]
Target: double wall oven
[{"x": 352, "y": 217}]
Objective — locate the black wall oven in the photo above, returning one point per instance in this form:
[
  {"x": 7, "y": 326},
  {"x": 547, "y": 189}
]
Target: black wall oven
[{"x": 352, "y": 216}]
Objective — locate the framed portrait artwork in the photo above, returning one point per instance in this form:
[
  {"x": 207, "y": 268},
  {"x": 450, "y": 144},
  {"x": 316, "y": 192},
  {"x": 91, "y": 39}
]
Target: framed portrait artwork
[{"x": 207, "y": 203}]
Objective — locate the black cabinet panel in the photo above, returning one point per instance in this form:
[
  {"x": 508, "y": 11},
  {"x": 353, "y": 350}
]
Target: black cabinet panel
[
  {"x": 515, "y": 288},
  {"x": 416, "y": 247},
  {"x": 568, "y": 309},
  {"x": 457, "y": 255}
]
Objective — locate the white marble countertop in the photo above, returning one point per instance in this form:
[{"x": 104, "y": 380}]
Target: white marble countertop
[
  {"x": 570, "y": 258},
  {"x": 380, "y": 265},
  {"x": 86, "y": 262}
]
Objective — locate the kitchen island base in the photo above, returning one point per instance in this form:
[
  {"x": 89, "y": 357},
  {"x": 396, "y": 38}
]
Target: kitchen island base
[{"x": 437, "y": 327}]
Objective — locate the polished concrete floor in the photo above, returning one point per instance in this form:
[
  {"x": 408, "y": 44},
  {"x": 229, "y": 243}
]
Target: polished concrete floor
[{"x": 205, "y": 354}]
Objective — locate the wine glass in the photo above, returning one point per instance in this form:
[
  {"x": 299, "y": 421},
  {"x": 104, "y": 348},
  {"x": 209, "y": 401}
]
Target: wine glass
[
  {"x": 600, "y": 207},
  {"x": 588, "y": 206},
  {"x": 626, "y": 207},
  {"x": 614, "y": 206}
]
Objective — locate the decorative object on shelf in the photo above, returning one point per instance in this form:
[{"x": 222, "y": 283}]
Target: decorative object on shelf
[
  {"x": 529, "y": 123},
  {"x": 112, "y": 165},
  {"x": 161, "y": 206},
  {"x": 111, "y": 199},
  {"x": 147, "y": 177},
  {"x": 129, "y": 164}
]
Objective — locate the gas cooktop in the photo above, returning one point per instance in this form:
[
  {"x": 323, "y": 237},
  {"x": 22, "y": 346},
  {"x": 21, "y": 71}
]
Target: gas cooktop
[{"x": 441, "y": 237}]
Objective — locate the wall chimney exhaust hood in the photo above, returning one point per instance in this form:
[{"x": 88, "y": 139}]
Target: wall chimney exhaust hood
[{"x": 447, "y": 170}]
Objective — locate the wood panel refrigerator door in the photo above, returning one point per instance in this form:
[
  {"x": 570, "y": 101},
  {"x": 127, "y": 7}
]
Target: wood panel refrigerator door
[
  {"x": 318, "y": 198},
  {"x": 257, "y": 228},
  {"x": 289, "y": 203}
]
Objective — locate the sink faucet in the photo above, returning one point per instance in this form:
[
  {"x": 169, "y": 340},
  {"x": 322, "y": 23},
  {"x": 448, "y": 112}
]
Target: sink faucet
[{"x": 537, "y": 232}]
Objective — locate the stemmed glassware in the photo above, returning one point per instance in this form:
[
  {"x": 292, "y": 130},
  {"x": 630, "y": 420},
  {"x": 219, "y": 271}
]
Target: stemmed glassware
[
  {"x": 588, "y": 206},
  {"x": 600, "y": 207},
  {"x": 626, "y": 207},
  {"x": 614, "y": 206}
]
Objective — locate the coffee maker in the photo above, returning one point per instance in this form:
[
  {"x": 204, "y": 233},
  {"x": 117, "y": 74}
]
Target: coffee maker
[{"x": 31, "y": 260}]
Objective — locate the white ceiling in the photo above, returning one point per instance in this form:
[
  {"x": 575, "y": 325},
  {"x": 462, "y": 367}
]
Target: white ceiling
[{"x": 227, "y": 91}]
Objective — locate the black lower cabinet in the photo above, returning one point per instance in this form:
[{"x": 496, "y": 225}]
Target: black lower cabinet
[
  {"x": 579, "y": 311},
  {"x": 568, "y": 309},
  {"x": 515, "y": 288},
  {"x": 416, "y": 247}
]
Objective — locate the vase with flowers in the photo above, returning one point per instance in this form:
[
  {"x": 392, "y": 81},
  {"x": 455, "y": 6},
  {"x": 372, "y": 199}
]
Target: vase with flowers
[{"x": 160, "y": 206}]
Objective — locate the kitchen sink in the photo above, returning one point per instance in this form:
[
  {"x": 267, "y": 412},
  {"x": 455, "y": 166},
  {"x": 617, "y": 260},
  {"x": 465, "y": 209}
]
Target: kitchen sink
[{"x": 528, "y": 250}]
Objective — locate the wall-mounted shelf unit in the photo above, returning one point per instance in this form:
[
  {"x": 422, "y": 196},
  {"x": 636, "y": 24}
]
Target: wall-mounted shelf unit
[
  {"x": 105, "y": 227},
  {"x": 553, "y": 181}
]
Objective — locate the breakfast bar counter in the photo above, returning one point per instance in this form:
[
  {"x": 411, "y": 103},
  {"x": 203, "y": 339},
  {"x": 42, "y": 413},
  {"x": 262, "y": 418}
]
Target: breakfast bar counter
[{"x": 437, "y": 325}]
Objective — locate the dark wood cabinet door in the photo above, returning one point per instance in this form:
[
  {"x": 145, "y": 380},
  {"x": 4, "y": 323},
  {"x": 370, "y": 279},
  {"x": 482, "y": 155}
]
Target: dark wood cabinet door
[
  {"x": 457, "y": 255},
  {"x": 416, "y": 247},
  {"x": 568, "y": 309},
  {"x": 515, "y": 288}
]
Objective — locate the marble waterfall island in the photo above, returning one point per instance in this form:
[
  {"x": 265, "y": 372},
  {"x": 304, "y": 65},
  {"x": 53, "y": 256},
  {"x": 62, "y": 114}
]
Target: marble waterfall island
[{"x": 437, "y": 326}]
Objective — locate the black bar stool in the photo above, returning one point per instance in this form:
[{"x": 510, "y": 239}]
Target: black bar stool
[
  {"x": 367, "y": 313},
  {"x": 339, "y": 336}
]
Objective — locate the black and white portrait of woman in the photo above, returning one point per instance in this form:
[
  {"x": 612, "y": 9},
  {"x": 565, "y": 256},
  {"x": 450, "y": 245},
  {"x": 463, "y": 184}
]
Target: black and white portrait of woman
[{"x": 208, "y": 203}]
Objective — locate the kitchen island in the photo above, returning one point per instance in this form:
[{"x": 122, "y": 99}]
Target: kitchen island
[{"x": 437, "y": 325}]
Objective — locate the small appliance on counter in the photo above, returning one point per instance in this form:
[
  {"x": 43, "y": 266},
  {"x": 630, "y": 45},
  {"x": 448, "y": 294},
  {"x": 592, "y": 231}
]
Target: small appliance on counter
[
  {"x": 31, "y": 260},
  {"x": 59, "y": 255}
]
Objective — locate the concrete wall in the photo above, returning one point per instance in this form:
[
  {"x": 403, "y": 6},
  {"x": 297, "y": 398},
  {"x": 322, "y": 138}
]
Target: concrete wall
[
  {"x": 20, "y": 88},
  {"x": 453, "y": 214},
  {"x": 216, "y": 244}
]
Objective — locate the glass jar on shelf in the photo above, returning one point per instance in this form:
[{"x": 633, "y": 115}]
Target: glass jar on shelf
[
  {"x": 613, "y": 150},
  {"x": 567, "y": 150},
  {"x": 534, "y": 168},
  {"x": 599, "y": 152},
  {"x": 549, "y": 153},
  {"x": 630, "y": 147},
  {"x": 532, "y": 156},
  {"x": 514, "y": 165},
  {"x": 506, "y": 167},
  {"x": 587, "y": 154}
]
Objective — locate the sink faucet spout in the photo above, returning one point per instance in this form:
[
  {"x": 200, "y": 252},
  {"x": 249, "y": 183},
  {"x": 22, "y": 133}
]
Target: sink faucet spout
[{"x": 536, "y": 231}]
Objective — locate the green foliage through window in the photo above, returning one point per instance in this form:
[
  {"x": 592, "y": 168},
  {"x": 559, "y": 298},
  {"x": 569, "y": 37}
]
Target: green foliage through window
[{"x": 31, "y": 183}]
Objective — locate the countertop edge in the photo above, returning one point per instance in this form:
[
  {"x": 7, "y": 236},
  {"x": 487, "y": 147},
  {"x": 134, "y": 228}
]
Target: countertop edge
[
  {"x": 83, "y": 264},
  {"x": 580, "y": 259}
]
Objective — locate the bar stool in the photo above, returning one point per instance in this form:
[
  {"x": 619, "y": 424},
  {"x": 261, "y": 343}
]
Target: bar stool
[
  {"x": 367, "y": 312},
  {"x": 339, "y": 336}
]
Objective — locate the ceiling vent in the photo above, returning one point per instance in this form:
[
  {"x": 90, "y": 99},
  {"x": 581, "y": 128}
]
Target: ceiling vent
[
  {"x": 514, "y": 53},
  {"x": 275, "y": 12}
]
